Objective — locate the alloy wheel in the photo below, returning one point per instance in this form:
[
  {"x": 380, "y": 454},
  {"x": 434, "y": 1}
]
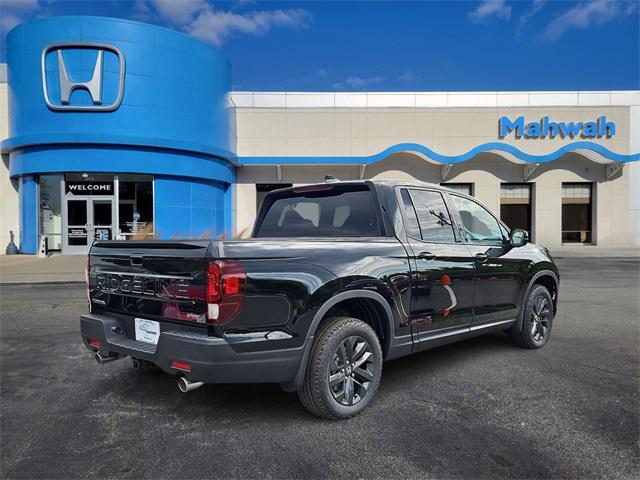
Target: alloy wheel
[
  {"x": 351, "y": 370},
  {"x": 540, "y": 318}
]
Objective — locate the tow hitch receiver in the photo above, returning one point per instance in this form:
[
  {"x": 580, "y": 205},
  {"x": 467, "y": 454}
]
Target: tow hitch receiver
[{"x": 142, "y": 365}]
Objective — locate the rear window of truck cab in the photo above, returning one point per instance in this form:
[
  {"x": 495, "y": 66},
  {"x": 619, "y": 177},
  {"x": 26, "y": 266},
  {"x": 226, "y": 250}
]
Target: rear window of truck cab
[{"x": 320, "y": 211}]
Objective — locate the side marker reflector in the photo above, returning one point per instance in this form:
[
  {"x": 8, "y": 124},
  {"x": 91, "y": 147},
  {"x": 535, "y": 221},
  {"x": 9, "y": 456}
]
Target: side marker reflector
[{"x": 184, "y": 366}]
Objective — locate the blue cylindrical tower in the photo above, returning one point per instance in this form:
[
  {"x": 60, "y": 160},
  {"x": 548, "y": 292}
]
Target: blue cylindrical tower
[{"x": 116, "y": 100}]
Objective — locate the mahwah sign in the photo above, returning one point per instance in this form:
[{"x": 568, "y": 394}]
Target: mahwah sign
[{"x": 547, "y": 129}]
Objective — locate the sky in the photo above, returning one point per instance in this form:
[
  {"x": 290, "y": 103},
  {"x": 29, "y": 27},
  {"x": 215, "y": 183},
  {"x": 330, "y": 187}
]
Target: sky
[{"x": 483, "y": 45}]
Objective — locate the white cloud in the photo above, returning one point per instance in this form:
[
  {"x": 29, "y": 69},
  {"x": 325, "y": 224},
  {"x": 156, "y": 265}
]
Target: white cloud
[
  {"x": 7, "y": 22},
  {"x": 536, "y": 6},
  {"x": 13, "y": 12},
  {"x": 409, "y": 76},
  {"x": 18, "y": 4},
  {"x": 244, "y": 3},
  {"x": 314, "y": 76},
  {"x": 357, "y": 83},
  {"x": 202, "y": 20},
  {"x": 587, "y": 14},
  {"x": 216, "y": 26},
  {"x": 179, "y": 12},
  {"x": 142, "y": 11},
  {"x": 489, "y": 9}
]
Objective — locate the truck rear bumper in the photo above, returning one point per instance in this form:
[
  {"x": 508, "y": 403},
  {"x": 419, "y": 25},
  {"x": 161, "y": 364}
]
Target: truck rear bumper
[{"x": 211, "y": 359}]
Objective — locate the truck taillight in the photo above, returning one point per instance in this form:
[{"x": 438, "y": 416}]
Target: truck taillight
[
  {"x": 213, "y": 282},
  {"x": 226, "y": 283}
]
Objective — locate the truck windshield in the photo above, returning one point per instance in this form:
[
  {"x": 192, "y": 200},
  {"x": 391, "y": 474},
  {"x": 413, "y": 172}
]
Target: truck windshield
[{"x": 320, "y": 211}]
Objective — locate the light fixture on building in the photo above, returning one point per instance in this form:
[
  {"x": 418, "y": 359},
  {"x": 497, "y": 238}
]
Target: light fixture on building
[{"x": 85, "y": 175}]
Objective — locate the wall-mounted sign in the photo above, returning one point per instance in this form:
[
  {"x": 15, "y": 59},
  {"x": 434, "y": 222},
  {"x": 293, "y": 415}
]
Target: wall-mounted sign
[
  {"x": 135, "y": 227},
  {"x": 67, "y": 83},
  {"x": 547, "y": 129},
  {"x": 102, "y": 233},
  {"x": 77, "y": 232},
  {"x": 77, "y": 236},
  {"x": 88, "y": 188}
]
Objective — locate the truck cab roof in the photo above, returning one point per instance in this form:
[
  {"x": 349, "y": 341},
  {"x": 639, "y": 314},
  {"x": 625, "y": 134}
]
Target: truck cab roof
[{"x": 376, "y": 182}]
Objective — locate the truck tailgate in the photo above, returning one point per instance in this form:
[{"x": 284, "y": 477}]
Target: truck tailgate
[{"x": 160, "y": 280}]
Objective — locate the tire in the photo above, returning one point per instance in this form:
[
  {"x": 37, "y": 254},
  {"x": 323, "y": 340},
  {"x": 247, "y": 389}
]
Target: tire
[
  {"x": 338, "y": 341},
  {"x": 537, "y": 320}
]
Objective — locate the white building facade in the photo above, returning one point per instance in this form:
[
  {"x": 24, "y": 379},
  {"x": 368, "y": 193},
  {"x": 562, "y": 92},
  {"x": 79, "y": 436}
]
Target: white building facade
[{"x": 562, "y": 165}]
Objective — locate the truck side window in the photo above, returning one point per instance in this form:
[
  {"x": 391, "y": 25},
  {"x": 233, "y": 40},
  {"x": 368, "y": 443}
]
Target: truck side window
[
  {"x": 410, "y": 217},
  {"x": 433, "y": 216},
  {"x": 479, "y": 225}
]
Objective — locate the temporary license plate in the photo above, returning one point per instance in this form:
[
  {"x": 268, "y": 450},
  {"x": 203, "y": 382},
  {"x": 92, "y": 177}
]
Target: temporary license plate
[{"x": 147, "y": 331}]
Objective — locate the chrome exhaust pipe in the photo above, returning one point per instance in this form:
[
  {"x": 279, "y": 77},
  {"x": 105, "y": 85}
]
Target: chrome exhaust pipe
[
  {"x": 186, "y": 386},
  {"x": 101, "y": 359}
]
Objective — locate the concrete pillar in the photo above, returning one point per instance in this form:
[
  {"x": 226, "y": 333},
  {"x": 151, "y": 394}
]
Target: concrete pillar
[
  {"x": 9, "y": 205},
  {"x": 600, "y": 210},
  {"x": 245, "y": 208},
  {"x": 547, "y": 211},
  {"x": 487, "y": 190}
]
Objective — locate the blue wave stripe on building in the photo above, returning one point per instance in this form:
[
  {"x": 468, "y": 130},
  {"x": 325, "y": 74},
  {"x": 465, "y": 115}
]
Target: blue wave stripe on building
[{"x": 444, "y": 159}]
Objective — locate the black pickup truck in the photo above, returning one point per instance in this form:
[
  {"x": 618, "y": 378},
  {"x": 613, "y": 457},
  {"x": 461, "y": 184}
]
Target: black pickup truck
[{"x": 337, "y": 278}]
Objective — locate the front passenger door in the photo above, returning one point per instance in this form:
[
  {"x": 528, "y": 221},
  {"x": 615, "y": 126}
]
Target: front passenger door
[{"x": 499, "y": 273}]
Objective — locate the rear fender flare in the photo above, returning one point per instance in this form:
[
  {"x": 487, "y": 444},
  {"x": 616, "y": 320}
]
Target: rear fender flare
[{"x": 299, "y": 378}]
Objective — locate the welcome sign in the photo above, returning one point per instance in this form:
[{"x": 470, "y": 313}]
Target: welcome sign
[
  {"x": 88, "y": 188},
  {"x": 544, "y": 128}
]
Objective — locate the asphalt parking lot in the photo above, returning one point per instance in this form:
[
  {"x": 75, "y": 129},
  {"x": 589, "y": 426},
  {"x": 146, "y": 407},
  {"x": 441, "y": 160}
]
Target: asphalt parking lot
[{"x": 480, "y": 408}]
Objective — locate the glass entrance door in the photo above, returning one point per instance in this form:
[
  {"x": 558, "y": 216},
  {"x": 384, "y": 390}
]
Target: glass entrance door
[
  {"x": 88, "y": 219},
  {"x": 102, "y": 219},
  {"x": 76, "y": 234}
]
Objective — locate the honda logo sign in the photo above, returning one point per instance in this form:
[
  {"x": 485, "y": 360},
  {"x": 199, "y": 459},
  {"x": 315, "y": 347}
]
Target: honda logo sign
[{"x": 70, "y": 81}]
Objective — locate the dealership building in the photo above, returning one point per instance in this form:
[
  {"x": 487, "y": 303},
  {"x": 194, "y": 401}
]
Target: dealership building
[{"x": 114, "y": 129}]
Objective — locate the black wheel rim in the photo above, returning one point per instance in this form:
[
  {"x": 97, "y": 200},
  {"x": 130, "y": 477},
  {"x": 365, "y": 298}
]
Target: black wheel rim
[
  {"x": 351, "y": 371},
  {"x": 540, "y": 318}
]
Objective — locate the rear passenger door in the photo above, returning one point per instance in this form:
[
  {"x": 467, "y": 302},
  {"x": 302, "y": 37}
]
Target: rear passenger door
[{"x": 443, "y": 270}]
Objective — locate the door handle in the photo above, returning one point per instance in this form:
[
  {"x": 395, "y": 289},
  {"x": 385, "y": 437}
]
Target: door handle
[
  {"x": 426, "y": 256},
  {"x": 481, "y": 257}
]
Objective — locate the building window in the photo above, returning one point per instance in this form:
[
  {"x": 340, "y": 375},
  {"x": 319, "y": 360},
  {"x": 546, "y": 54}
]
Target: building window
[
  {"x": 263, "y": 188},
  {"x": 576, "y": 212},
  {"x": 51, "y": 210},
  {"x": 135, "y": 207},
  {"x": 515, "y": 205},
  {"x": 466, "y": 188}
]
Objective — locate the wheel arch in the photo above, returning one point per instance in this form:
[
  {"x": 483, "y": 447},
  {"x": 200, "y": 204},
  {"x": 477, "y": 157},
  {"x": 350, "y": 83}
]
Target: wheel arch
[
  {"x": 549, "y": 280},
  {"x": 350, "y": 302}
]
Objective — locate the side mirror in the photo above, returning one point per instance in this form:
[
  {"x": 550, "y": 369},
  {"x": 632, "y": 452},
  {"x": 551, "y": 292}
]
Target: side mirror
[{"x": 518, "y": 237}]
